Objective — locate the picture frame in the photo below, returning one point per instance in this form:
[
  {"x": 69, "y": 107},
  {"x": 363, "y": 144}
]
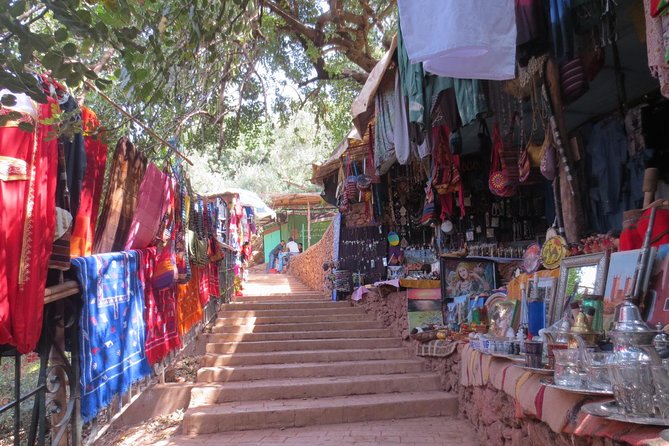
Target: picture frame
[
  {"x": 466, "y": 276},
  {"x": 544, "y": 289},
  {"x": 579, "y": 276}
]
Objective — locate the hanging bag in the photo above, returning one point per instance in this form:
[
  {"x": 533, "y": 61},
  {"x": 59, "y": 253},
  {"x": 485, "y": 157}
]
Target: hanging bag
[
  {"x": 548, "y": 164},
  {"x": 165, "y": 272},
  {"x": 446, "y": 176},
  {"x": 500, "y": 182}
]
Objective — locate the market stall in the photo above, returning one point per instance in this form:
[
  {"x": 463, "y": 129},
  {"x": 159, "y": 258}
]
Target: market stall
[{"x": 521, "y": 210}]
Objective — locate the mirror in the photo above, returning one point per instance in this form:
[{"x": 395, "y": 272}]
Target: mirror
[{"x": 579, "y": 276}]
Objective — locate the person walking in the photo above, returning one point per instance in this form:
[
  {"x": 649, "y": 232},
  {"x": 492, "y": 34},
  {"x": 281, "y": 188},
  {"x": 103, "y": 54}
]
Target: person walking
[{"x": 274, "y": 254}]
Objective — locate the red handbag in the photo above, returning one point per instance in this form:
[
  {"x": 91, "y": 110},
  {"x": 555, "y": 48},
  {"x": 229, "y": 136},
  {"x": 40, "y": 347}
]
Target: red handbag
[{"x": 500, "y": 182}]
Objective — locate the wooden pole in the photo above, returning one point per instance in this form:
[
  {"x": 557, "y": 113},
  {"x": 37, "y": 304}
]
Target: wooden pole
[
  {"x": 308, "y": 224},
  {"x": 137, "y": 121}
]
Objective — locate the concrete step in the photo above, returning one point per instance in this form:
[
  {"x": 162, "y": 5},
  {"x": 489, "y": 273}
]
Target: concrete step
[
  {"x": 293, "y": 357},
  {"x": 289, "y": 312},
  {"x": 291, "y": 319},
  {"x": 307, "y": 369},
  {"x": 296, "y": 335},
  {"x": 300, "y": 345},
  {"x": 284, "y": 305},
  {"x": 305, "y": 326},
  {"x": 303, "y": 412},
  {"x": 315, "y": 387}
]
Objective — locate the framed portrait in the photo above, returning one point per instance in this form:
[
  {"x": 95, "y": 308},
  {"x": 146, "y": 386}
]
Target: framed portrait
[{"x": 465, "y": 277}]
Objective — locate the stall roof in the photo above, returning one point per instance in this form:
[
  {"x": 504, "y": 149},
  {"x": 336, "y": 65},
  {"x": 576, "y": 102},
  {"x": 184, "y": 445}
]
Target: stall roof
[
  {"x": 362, "y": 108},
  {"x": 353, "y": 146},
  {"x": 247, "y": 199},
  {"x": 298, "y": 199}
]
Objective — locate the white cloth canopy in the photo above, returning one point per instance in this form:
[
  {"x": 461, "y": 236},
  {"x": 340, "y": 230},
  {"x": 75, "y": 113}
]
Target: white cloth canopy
[
  {"x": 251, "y": 199},
  {"x": 468, "y": 39}
]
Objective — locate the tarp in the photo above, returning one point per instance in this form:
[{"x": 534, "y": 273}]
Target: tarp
[
  {"x": 362, "y": 108},
  {"x": 249, "y": 199}
]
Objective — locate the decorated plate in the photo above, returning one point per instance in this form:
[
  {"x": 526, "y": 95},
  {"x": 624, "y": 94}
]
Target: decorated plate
[
  {"x": 393, "y": 239},
  {"x": 553, "y": 251},
  {"x": 532, "y": 258}
]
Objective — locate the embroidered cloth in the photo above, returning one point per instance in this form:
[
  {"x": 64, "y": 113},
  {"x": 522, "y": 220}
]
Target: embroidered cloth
[
  {"x": 111, "y": 328},
  {"x": 189, "y": 310}
]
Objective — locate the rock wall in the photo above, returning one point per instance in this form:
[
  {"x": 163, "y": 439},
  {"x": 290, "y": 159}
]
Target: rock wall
[
  {"x": 308, "y": 266},
  {"x": 492, "y": 412}
]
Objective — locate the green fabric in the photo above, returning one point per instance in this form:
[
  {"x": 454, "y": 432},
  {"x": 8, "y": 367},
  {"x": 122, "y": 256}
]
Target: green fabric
[{"x": 412, "y": 77}]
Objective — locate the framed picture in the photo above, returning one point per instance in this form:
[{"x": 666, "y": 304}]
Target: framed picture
[
  {"x": 620, "y": 280},
  {"x": 579, "y": 276},
  {"x": 424, "y": 308},
  {"x": 464, "y": 277},
  {"x": 544, "y": 289},
  {"x": 658, "y": 289}
]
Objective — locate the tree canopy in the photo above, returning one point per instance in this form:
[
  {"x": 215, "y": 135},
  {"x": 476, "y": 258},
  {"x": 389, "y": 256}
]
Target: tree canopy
[{"x": 220, "y": 75}]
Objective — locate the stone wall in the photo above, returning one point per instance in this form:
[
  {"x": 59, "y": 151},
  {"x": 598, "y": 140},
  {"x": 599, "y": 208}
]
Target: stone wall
[
  {"x": 308, "y": 266},
  {"x": 492, "y": 412}
]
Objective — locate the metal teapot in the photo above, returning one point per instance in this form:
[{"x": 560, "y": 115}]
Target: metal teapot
[{"x": 632, "y": 338}]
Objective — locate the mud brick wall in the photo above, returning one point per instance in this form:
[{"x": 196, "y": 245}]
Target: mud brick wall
[{"x": 308, "y": 266}]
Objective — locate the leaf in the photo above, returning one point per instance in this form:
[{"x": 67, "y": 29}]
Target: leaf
[
  {"x": 61, "y": 35},
  {"x": 70, "y": 49},
  {"x": 26, "y": 127},
  {"x": 52, "y": 60},
  {"x": 140, "y": 75},
  {"x": 8, "y": 100}
]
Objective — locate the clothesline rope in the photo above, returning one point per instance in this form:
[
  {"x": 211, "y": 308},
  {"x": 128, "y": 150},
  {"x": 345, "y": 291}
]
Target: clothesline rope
[{"x": 137, "y": 121}]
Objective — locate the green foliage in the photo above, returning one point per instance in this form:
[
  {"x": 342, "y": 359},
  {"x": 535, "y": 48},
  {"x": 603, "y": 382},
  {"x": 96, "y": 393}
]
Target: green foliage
[{"x": 228, "y": 78}]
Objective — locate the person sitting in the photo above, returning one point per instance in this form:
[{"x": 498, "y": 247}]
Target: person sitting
[
  {"x": 292, "y": 249},
  {"x": 300, "y": 247},
  {"x": 274, "y": 254}
]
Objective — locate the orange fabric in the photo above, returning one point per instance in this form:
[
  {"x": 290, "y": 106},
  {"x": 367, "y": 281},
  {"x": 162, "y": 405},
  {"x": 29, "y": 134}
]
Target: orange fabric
[
  {"x": 189, "y": 310},
  {"x": 81, "y": 242}
]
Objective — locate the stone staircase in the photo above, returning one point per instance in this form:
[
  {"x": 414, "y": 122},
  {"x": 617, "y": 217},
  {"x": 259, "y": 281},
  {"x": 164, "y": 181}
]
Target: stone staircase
[{"x": 285, "y": 357}]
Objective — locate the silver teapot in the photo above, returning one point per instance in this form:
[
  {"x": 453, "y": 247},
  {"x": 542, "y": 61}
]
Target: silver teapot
[{"x": 632, "y": 338}]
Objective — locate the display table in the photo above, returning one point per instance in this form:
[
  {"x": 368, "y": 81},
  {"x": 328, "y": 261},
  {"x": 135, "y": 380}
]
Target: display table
[{"x": 558, "y": 409}]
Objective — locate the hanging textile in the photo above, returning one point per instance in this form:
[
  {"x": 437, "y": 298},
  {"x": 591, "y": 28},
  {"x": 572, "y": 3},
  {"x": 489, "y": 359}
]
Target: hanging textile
[
  {"x": 75, "y": 153},
  {"x": 214, "y": 281},
  {"x": 81, "y": 241},
  {"x": 189, "y": 310},
  {"x": 470, "y": 98},
  {"x": 657, "y": 49},
  {"x": 474, "y": 39},
  {"x": 400, "y": 125},
  {"x": 111, "y": 328},
  {"x": 160, "y": 312},
  {"x": 384, "y": 137},
  {"x": 125, "y": 176},
  {"x": 28, "y": 166},
  {"x": 153, "y": 200},
  {"x": 412, "y": 77},
  {"x": 201, "y": 275}
]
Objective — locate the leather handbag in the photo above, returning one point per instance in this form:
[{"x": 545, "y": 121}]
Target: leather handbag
[{"x": 548, "y": 163}]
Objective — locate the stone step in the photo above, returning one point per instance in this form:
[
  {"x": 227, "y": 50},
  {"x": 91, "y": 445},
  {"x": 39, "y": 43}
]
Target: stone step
[
  {"x": 293, "y": 357},
  {"x": 284, "y": 305},
  {"x": 296, "y": 335},
  {"x": 308, "y": 369},
  {"x": 300, "y": 345},
  {"x": 308, "y": 326},
  {"x": 314, "y": 387},
  {"x": 279, "y": 299},
  {"x": 289, "y": 312},
  {"x": 302, "y": 412},
  {"x": 291, "y": 319}
]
